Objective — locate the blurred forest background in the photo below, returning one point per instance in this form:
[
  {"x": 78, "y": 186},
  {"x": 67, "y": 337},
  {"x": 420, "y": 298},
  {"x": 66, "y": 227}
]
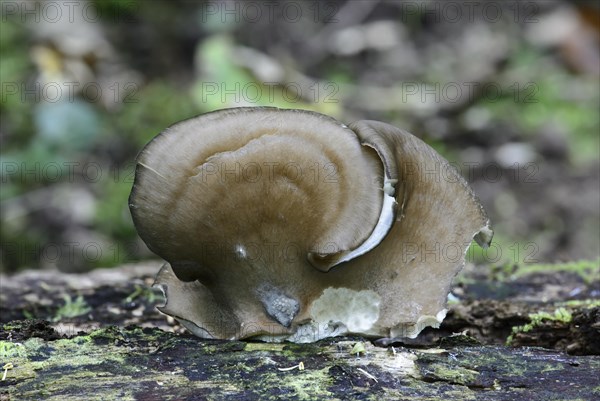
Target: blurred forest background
[{"x": 508, "y": 91}]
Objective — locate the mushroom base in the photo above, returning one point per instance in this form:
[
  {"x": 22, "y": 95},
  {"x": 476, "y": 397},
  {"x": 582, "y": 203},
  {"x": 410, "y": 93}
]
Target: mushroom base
[{"x": 337, "y": 312}]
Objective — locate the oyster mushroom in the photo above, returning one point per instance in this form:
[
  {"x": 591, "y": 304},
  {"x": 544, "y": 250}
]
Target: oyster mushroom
[{"x": 289, "y": 225}]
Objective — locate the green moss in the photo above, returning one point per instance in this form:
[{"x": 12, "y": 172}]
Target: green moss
[
  {"x": 71, "y": 308},
  {"x": 536, "y": 319},
  {"x": 145, "y": 293},
  {"x": 10, "y": 350},
  {"x": 581, "y": 303},
  {"x": 268, "y": 347},
  {"x": 588, "y": 270},
  {"x": 140, "y": 363},
  {"x": 71, "y": 364},
  {"x": 308, "y": 382},
  {"x": 301, "y": 350},
  {"x": 14, "y": 325},
  {"x": 455, "y": 374}
]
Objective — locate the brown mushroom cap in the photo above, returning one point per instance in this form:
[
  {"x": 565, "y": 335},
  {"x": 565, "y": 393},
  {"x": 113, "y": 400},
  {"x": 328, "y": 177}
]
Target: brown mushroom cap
[
  {"x": 277, "y": 169},
  {"x": 252, "y": 207}
]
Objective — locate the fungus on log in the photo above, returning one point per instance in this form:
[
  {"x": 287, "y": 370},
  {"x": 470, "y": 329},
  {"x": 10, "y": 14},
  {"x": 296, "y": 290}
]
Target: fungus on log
[{"x": 289, "y": 225}]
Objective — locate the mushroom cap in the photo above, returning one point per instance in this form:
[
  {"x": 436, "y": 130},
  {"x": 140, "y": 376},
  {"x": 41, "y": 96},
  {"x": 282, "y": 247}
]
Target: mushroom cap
[{"x": 287, "y": 224}]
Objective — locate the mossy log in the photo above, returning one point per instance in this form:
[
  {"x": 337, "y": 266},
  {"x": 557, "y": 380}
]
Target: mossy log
[
  {"x": 149, "y": 364},
  {"x": 98, "y": 336}
]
